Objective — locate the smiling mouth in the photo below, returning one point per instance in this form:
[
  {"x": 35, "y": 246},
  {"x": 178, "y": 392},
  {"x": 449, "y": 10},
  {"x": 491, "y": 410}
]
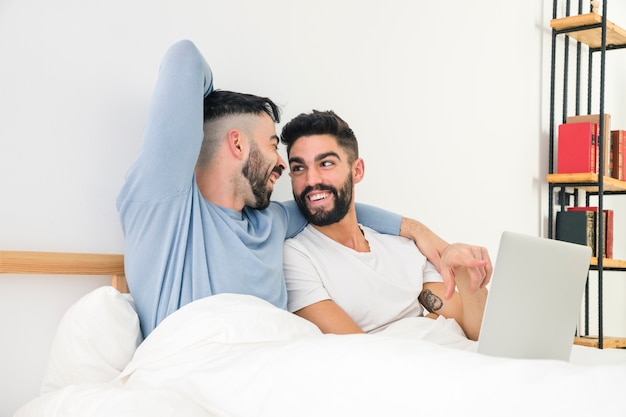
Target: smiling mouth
[
  {"x": 274, "y": 176},
  {"x": 318, "y": 196}
]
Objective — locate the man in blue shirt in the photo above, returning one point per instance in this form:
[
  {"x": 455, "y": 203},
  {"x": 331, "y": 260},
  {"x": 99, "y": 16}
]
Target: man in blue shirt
[{"x": 195, "y": 207}]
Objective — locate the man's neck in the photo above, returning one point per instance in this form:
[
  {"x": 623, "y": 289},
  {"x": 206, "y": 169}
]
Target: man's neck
[
  {"x": 219, "y": 188},
  {"x": 346, "y": 232}
]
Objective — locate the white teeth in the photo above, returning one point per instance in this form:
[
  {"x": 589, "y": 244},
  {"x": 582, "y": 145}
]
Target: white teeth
[{"x": 316, "y": 197}]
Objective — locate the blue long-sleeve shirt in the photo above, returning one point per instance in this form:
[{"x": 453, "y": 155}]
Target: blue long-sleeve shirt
[{"x": 179, "y": 246}]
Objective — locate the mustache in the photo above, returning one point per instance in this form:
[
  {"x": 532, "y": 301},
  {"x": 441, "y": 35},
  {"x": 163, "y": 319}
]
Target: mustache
[{"x": 278, "y": 169}]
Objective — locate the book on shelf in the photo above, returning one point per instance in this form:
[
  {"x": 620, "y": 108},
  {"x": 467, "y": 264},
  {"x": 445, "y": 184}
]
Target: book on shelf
[
  {"x": 577, "y": 148},
  {"x": 606, "y": 145},
  {"x": 618, "y": 154},
  {"x": 607, "y": 220},
  {"x": 577, "y": 227}
]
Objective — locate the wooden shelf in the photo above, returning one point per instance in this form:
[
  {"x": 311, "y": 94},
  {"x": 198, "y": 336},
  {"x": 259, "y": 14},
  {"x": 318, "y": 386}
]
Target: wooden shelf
[
  {"x": 607, "y": 342},
  {"x": 615, "y": 35},
  {"x": 589, "y": 179},
  {"x": 590, "y": 182},
  {"x": 609, "y": 263},
  {"x": 586, "y": 29}
]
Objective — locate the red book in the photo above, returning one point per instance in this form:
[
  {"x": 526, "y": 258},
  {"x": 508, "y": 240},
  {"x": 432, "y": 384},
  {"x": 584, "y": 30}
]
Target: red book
[
  {"x": 595, "y": 150},
  {"x": 576, "y": 152},
  {"x": 618, "y": 153},
  {"x": 608, "y": 228},
  {"x": 595, "y": 118}
]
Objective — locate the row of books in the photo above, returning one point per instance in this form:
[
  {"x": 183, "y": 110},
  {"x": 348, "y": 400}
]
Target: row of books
[
  {"x": 580, "y": 225},
  {"x": 578, "y": 149}
]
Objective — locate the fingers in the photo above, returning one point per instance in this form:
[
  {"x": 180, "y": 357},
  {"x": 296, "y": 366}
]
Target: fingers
[
  {"x": 448, "y": 279},
  {"x": 476, "y": 279},
  {"x": 485, "y": 270},
  {"x": 475, "y": 258},
  {"x": 481, "y": 273},
  {"x": 450, "y": 287}
]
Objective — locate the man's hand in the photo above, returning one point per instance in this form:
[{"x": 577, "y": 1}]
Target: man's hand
[
  {"x": 447, "y": 258},
  {"x": 474, "y": 258}
]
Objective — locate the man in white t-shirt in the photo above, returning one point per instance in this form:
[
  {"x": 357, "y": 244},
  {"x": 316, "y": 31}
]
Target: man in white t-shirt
[{"x": 342, "y": 276}]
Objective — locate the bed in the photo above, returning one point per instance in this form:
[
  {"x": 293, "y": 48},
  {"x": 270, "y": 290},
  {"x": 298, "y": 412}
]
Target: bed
[{"x": 235, "y": 355}]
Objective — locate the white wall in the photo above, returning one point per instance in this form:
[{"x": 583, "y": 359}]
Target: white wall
[{"x": 448, "y": 99}]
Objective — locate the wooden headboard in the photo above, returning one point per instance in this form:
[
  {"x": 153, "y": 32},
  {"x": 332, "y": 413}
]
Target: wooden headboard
[{"x": 61, "y": 263}]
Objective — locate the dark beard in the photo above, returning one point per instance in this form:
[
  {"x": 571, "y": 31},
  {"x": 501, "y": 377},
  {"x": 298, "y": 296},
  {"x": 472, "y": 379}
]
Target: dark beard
[
  {"x": 254, "y": 172},
  {"x": 321, "y": 217}
]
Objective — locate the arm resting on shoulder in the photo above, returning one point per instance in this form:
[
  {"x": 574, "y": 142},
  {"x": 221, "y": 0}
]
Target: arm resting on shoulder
[
  {"x": 431, "y": 245},
  {"x": 449, "y": 257}
]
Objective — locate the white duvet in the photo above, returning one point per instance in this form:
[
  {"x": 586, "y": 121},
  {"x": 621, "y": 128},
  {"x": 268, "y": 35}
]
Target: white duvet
[{"x": 235, "y": 355}]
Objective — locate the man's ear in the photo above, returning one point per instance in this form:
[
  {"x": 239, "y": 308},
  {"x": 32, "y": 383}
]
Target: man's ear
[
  {"x": 235, "y": 142},
  {"x": 358, "y": 170}
]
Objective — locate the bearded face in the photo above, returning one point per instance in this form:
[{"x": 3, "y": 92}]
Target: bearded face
[
  {"x": 257, "y": 171},
  {"x": 324, "y": 217}
]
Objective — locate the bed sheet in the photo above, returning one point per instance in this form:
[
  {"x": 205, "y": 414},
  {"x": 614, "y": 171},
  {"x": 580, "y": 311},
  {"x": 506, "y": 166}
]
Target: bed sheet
[{"x": 236, "y": 355}]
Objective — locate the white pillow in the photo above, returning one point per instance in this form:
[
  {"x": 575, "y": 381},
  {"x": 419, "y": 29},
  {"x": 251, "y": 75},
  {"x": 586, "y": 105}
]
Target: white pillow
[{"x": 95, "y": 340}]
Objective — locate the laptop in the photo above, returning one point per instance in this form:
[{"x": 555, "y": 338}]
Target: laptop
[{"x": 534, "y": 299}]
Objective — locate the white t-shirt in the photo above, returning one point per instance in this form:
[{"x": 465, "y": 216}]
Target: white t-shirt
[{"x": 375, "y": 288}]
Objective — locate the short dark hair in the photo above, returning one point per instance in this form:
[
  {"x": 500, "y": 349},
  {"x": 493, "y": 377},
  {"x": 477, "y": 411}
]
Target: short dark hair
[
  {"x": 220, "y": 103},
  {"x": 321, "y": 123}
]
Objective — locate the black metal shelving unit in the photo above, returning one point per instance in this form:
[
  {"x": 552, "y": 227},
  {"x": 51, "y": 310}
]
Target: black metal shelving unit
[{"x": 588, "y": 32}]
